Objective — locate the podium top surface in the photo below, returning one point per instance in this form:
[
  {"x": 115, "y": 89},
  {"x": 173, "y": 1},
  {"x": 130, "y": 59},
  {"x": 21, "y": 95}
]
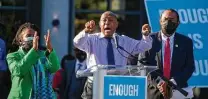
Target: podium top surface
[{"x": 134, "y": 70}]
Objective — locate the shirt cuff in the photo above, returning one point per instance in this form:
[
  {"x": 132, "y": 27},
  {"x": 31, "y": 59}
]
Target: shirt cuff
[
  {"x": 82, "y": 34},
  {"x": 146, "y": 38}
]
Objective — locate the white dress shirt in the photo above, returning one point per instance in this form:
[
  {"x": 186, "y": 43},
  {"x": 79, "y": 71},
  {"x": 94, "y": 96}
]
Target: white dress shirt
[
  {"x": 83, "y": 65},
  {"x": 164, "y": 39},
  {"x": 95, "y": 45}
]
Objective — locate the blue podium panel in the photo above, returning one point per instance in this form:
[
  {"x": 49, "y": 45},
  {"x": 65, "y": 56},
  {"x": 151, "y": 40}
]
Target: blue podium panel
[
  {"x": 125, "y": 87},
  {"x": 193, "y": 23}
]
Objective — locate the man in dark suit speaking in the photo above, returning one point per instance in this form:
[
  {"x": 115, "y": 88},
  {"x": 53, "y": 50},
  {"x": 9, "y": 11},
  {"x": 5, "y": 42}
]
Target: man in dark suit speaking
[{"x": 172, "y": 53}]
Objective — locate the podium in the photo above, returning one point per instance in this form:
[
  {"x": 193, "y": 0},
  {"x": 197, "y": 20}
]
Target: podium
[{"x": 118, "y": 82}]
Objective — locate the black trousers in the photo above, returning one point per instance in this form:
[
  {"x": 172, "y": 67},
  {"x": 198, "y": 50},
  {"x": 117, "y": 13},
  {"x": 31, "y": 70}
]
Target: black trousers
[{"x": 88, "y": 90}]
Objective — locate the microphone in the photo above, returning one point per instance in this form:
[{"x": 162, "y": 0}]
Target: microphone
[
  {"x": 115, "y": 37},
  {"x": 115, "y": 40}
]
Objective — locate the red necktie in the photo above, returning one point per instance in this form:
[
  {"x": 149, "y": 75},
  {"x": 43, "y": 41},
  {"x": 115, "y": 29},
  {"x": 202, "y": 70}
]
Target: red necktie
[{"x": 166, "y": 68}]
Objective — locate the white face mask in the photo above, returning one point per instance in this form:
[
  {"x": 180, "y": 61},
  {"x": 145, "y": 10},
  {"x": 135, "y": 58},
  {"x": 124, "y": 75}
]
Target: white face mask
[{"x": 28, "y": 38}]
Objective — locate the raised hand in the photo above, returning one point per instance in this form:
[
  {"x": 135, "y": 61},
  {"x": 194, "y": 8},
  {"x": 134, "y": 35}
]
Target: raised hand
[
  {"x": 90, "y": 26},
  {"x": 48, "y": 41},
  {"x": 35, "y": 41},
  {"x": 146, "y": 29}
]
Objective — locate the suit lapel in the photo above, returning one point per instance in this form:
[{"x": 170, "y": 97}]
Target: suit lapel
[
  {"x": 22, "y": 54},
  {"x": 175, "y": 51},
  {"x": 70, "y": 68},
  {"x": 159, "y": 51},
  {"x": 72, "y": 65}
]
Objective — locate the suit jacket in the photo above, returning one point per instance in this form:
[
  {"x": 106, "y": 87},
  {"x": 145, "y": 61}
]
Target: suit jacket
[
  {"x": 182, "y": 65},
  {"x": 20, "y": 65},
  {"x": 71, "y": 87}
]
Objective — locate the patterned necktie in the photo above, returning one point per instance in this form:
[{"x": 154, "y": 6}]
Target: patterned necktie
[
  {"x": 166, "y": 68},
  {"x": 110, "y": 53}
]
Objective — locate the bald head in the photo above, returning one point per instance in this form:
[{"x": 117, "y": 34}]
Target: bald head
[
  {"x": 170, "y": 13},
  {"x": 169, "y": 22},
  {"x": 109, "y": 13},
  {"x": 108, "y": 23}
]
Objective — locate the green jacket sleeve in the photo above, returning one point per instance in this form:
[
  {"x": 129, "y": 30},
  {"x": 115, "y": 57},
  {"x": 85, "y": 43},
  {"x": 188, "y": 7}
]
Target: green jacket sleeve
[
  {"x": 19, "y": 66},
  {"x": 53, "y": 61}
]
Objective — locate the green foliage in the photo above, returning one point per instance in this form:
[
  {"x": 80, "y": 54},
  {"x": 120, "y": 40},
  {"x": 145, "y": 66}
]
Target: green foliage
[{"x": 82, "y": 18}]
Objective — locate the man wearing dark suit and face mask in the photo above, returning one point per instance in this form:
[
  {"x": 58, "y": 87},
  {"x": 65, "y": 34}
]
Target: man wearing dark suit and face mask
[
  {"x": 172, "y": 53},
  {"x": 71, "y": 87}
]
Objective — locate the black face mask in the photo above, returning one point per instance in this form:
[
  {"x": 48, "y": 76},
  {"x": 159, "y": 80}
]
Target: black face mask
[
  {"x": 169, "y": 27},
  {"x": 81, "y": 56}
]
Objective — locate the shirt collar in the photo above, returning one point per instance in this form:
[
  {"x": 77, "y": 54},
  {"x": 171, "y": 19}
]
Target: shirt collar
[
  {"x": 164, "y": 37},
  {"x": 101, "y": 35},
  {"x": 82, "y": 63}
]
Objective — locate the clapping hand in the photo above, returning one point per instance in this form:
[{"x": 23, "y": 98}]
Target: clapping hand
[
  {"x": 48, "y": 41},
  {"x": 35, "y": 41}
]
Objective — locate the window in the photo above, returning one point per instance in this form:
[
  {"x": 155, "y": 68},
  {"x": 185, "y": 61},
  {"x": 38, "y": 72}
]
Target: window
[
  {"x": 130, "y": 14},
  {"x": 12, "y": 14}
]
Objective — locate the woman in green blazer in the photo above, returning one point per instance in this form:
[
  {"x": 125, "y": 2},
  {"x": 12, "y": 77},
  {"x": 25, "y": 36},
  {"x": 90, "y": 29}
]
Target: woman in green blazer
[{"x": 30, "y": 67}]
